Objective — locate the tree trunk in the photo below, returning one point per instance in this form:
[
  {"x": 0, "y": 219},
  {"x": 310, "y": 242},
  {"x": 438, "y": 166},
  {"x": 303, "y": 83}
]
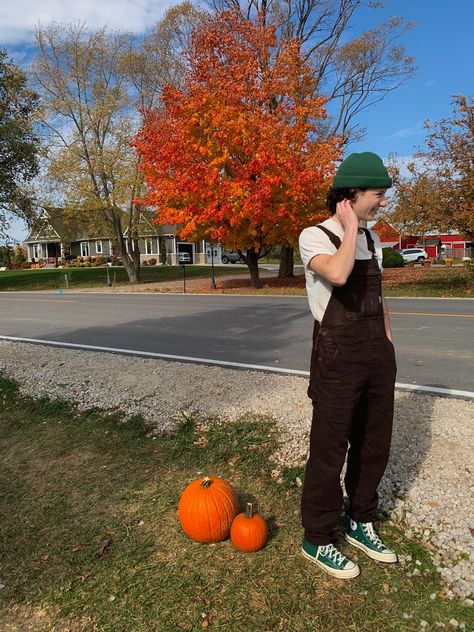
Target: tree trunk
[
  {"x": 130, "y": 259},
  {"x": 162, "y": 247},
  {"x": 286, "y": 262},
  {"x": 252, "y": 263}
]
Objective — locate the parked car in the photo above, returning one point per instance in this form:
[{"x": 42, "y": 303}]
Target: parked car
[
  {"x": 413, "y": 254},
  {"x": 184, "y": 257},
  {"x": 232, "y": 257}
]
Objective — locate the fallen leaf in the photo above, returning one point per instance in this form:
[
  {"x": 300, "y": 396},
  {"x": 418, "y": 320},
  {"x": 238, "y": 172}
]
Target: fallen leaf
[
  {"x": 233, "y": 460},
  {"x": 82, "y": 578},
  {"x": 201, "y": 442},
  {"x": 386, "y": 588},
  {"x": 275, "y": 474},
  {"x": 103, "y": 548}
]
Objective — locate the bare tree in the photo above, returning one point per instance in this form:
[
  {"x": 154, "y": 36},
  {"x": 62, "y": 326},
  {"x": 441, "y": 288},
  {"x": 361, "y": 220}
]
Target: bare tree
[
  {"x": 93, "y": 86},
  {"x": 353, "y": 73}
]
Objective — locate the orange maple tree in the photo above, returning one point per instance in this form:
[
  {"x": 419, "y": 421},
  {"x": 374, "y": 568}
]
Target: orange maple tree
[{"x": 235, "y": 155}]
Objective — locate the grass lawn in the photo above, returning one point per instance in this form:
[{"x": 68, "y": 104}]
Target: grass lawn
[
  {"x": 54, "y": 278},
  {"x": 71, "y": 484},
  {"x": 419, "y": 281},
  {"x": 445, "y": 282},
  {"x": 433, "y": 281}
]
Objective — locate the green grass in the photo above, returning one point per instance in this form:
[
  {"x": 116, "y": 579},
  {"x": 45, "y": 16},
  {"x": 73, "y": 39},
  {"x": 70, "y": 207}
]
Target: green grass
[
  {"x": 435, "y": 281},
  {"x": 71, "y": 481},
  {"x": 54, "y": 278}
]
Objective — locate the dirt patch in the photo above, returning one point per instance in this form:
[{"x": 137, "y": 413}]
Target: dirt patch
[{"x": 27, "y": 618}]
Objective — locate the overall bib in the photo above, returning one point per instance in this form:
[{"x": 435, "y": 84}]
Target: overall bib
[{"x": 352, "y": 380}]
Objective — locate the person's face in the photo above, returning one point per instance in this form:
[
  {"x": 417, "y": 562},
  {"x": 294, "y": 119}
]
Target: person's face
[{"x": 368, "y": 203}]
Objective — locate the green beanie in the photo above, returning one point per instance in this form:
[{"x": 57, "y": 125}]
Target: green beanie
[{"x": 364, "y": 171}]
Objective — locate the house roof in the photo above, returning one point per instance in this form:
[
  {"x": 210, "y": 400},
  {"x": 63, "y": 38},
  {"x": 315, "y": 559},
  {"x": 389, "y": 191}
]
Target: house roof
[{"x": 52, "y": 227}]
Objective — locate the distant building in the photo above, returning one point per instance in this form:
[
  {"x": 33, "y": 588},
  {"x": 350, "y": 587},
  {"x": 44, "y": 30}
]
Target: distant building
[
  {"x": 53, "y": 239},
  {"x": 452, "y": 244}
]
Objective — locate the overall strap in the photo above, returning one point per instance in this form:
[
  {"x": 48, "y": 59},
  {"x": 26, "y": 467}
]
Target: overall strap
[
  {"x": 370, "y": 243},
  {"x": 333, "y": 238}
]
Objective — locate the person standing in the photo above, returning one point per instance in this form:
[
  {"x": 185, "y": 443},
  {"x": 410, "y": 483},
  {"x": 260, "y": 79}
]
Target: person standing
[{"x": 353, "y": 368}]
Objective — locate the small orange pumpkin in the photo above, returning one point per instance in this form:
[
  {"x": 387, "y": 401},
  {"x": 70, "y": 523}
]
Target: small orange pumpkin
[
  {"x": 207, "y": 508},
  {"x": 249, "y": 531}
]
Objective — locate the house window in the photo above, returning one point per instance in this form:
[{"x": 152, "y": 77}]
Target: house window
[
  {"x": 98, "y": 247},
  {"x": 44, "y": 251},
  {"x": 85, "y": 249},
  {"x": 148, "y": 246},
  {"x": 35, "y": 251}
]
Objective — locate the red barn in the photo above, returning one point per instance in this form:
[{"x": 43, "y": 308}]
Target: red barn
[{"x": 452, "y": 244}]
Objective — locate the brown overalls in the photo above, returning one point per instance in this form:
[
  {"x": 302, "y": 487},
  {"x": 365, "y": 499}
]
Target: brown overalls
[{"x": 352, "y": 382}]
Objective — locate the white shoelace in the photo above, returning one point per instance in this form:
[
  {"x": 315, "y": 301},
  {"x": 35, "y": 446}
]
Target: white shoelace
[
  {"x": 373, "y": 537},
  {"x": 333, "y": 554}
]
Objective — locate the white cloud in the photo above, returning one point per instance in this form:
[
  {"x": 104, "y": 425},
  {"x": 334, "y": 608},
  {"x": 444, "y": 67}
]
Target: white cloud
[
  {"x": 18, "y": 19},
  {"x": 414, "y": 130}
]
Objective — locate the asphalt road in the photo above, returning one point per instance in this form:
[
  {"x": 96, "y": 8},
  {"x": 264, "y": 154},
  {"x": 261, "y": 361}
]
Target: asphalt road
[{"x": 434, "y": 339}]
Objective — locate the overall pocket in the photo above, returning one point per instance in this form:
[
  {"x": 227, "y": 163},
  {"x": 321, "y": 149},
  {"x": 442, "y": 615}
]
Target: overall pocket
[
  {"x": 326, "y": 352},
  {"x": 362, "y": 297}
]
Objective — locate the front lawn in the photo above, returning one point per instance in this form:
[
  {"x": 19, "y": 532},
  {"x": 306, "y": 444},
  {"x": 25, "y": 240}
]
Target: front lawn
[
  {"x": 435, "y": 281},
  {"x": 91, "y": 541},
  {"x": 425, "y": 282},
  {"x": 72, "y": 278}
]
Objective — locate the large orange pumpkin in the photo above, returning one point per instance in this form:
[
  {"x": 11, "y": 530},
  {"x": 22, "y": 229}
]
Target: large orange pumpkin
[
  {"x": 207, "y": 508},
  {"x": 249, "y": 531}
]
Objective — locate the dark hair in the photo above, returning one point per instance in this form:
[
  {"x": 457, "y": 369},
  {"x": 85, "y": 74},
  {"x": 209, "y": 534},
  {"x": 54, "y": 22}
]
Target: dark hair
[{"x": 337, "y": 195}]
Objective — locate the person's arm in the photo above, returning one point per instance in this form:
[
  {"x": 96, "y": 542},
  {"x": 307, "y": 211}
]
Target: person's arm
[
  {"x": 337, "y": 268},
  {"x": 386, "y": 320}
]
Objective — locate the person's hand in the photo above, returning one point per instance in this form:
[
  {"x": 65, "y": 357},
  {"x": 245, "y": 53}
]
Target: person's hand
[{"x": 346, "y": 215}]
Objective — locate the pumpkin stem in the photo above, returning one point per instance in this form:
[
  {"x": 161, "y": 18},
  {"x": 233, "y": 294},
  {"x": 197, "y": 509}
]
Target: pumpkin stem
[
  {"x": 206, "y": 482},
  {"x": 248, "y": 511}
]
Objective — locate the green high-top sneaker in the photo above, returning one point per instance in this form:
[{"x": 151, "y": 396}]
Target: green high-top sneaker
[
  {"x": 363, "y": 536},
  {"x": 330, "y": 559}
]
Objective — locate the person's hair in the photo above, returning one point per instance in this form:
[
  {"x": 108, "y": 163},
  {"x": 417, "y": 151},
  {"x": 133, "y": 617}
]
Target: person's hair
[{"x": 337, "y": 195}]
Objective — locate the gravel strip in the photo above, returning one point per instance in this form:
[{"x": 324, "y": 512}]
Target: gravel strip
[{"x": 428, "y": 486}]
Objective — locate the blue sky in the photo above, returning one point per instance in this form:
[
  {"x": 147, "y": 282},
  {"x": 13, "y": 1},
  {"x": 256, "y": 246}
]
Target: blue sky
[{"x": 442, "y": 44}]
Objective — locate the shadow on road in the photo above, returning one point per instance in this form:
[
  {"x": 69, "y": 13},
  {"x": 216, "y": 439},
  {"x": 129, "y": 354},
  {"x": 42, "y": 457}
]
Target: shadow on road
[{"x": 237, "y": 335}]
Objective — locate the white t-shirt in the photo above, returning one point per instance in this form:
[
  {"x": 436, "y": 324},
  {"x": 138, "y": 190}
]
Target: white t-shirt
[{"x": 313, "y": 241}]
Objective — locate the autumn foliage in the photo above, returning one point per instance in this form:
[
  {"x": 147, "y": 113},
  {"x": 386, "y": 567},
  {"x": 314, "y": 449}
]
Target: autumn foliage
[
  {"x": 235, "y": 156},
  {"x": 438, "y": 194}
]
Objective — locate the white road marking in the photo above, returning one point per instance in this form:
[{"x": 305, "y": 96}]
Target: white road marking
[{"x": 238, "y": 365}]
